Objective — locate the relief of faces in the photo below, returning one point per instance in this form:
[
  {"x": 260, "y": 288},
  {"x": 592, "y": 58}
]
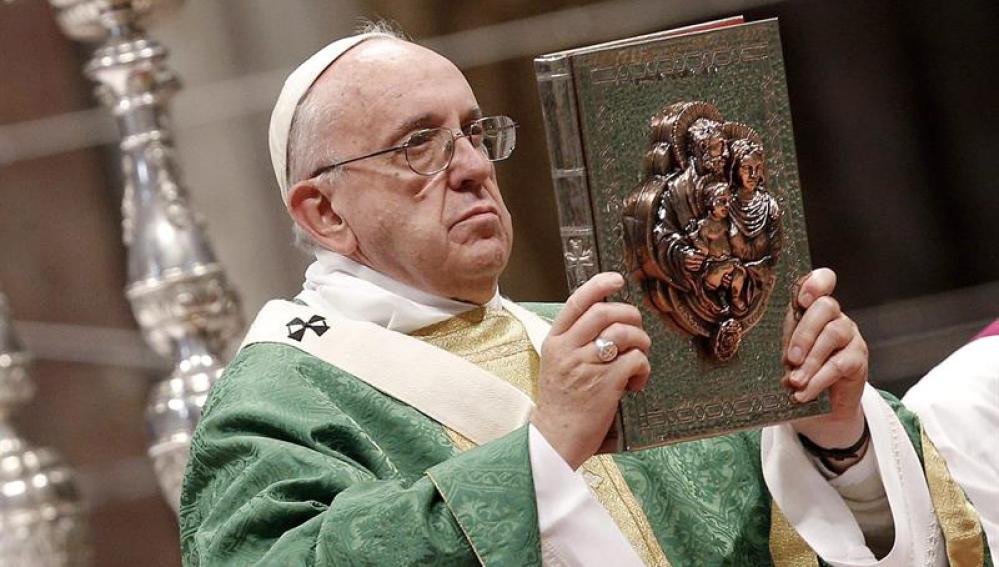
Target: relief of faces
[
  {"x": 751, "y": 172},
  {"x": 710, "y": 149},
  {"x": 719, "y": 206}
]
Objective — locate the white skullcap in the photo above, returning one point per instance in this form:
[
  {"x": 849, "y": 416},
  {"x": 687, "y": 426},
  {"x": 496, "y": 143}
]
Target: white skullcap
[{"x": 295, "y": 87}]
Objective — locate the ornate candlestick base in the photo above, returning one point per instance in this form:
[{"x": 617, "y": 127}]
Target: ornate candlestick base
[
  {"x": 179, "y": 293},
  {"x": 41, "y": 517}
]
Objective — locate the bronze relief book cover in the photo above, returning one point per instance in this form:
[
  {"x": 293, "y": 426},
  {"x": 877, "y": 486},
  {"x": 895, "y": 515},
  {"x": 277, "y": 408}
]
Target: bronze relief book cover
[{"x": 673, "y": 163}]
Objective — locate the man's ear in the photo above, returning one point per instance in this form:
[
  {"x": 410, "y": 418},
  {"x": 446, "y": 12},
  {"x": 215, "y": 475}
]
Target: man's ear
[{"x": 313, "y": 210}]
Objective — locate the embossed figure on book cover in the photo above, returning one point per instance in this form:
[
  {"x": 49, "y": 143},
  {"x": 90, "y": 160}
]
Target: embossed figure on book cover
[{"x": 673, "y": 163}]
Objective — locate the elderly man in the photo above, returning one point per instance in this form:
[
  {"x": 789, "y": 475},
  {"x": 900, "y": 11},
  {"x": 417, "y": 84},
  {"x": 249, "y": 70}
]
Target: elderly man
[{"x": 401, "y": 412}]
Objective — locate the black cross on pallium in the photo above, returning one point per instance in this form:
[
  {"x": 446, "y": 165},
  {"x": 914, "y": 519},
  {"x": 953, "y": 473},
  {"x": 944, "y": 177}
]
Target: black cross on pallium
[{"x": 297, "y": 327}]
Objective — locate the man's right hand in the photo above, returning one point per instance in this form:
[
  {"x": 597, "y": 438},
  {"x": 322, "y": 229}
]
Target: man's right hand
[{"x": 578, "y": 394}]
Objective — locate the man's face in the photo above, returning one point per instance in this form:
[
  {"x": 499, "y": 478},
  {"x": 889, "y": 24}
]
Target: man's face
[
  {"x": 712, "y": 154},
  {"x": 447, "y": 233}
]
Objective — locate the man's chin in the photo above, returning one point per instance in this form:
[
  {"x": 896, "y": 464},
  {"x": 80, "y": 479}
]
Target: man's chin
[
  {"x": 473, "y": 277},
  {"x": 484, "y": 257}
]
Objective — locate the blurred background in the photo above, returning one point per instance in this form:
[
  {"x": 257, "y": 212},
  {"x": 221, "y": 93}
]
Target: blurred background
[{"x": 894, "y": 116}]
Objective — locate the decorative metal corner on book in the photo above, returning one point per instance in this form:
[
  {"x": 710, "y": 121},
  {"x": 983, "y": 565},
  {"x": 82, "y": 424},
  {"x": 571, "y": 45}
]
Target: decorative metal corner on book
[{"x": 701, "y": 229}]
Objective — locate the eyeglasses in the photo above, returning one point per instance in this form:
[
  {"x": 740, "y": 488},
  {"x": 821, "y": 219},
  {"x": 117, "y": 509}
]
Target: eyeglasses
[{"x": 430, "y": 151}]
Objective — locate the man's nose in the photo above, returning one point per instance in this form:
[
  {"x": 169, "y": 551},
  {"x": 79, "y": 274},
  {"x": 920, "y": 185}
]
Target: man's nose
[{"x": 469, "y": 165}]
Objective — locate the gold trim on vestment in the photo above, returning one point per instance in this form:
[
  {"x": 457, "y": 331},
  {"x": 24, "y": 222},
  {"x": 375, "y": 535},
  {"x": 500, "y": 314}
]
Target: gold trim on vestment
[
  {"x": 787, "y": 547},
  {"x": 959, "y": 521},
  {"x": 493, "y": 340},
  {"x": 616, "y": 497},
  {"x": 497, "y": 342}
]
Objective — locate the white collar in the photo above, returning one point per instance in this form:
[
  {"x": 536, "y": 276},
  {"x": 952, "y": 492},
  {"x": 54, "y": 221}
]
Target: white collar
[{"x": 337, "y": 285}]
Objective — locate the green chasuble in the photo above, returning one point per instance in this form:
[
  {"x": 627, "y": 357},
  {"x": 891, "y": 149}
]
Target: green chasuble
[{"x": 295, "y": 462}]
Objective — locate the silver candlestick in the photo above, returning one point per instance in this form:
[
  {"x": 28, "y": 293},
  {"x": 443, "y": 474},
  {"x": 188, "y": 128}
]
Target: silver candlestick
[
  {"x": 179, "y": 293},
  {"x": 41, "y": 518}
]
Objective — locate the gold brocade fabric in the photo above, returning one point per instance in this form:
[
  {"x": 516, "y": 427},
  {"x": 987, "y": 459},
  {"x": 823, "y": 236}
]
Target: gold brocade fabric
[
  {"x": 495, "y": 341},
  {"x": 787, "y": 548},
  {"x": 958, "y": 520},
  {"x": 491, "y": 339}
]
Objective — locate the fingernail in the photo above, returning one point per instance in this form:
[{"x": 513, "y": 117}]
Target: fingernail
[
  {"x": 797, "y": 378},
  {"x": 794, "y": 355},
  {"x": 806, "y": 299},
  {"x": 799, "y": 397}
]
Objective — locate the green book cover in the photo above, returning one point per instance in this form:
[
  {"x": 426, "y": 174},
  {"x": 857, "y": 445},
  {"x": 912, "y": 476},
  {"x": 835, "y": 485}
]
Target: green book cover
[{"x": 673, "y": 163}]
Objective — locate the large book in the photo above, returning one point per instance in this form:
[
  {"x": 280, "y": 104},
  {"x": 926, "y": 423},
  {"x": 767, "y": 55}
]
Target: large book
[{"x": 673, "y": 163}]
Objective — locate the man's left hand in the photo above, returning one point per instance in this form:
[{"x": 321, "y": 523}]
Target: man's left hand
[{"x": 825, "y": 352}]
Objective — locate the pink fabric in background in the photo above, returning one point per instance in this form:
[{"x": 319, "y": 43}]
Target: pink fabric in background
[{"x": 989, "y": 331}]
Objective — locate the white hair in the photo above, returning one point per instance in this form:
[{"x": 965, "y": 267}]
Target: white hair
[{"x": 308, "y": 145}]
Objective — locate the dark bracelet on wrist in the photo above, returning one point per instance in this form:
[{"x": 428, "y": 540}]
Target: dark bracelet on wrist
[{"x": 837, "y": 454}]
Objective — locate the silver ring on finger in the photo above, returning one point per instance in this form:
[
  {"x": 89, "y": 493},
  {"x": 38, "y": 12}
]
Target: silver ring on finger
[{"x": 606, "y": 349}]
